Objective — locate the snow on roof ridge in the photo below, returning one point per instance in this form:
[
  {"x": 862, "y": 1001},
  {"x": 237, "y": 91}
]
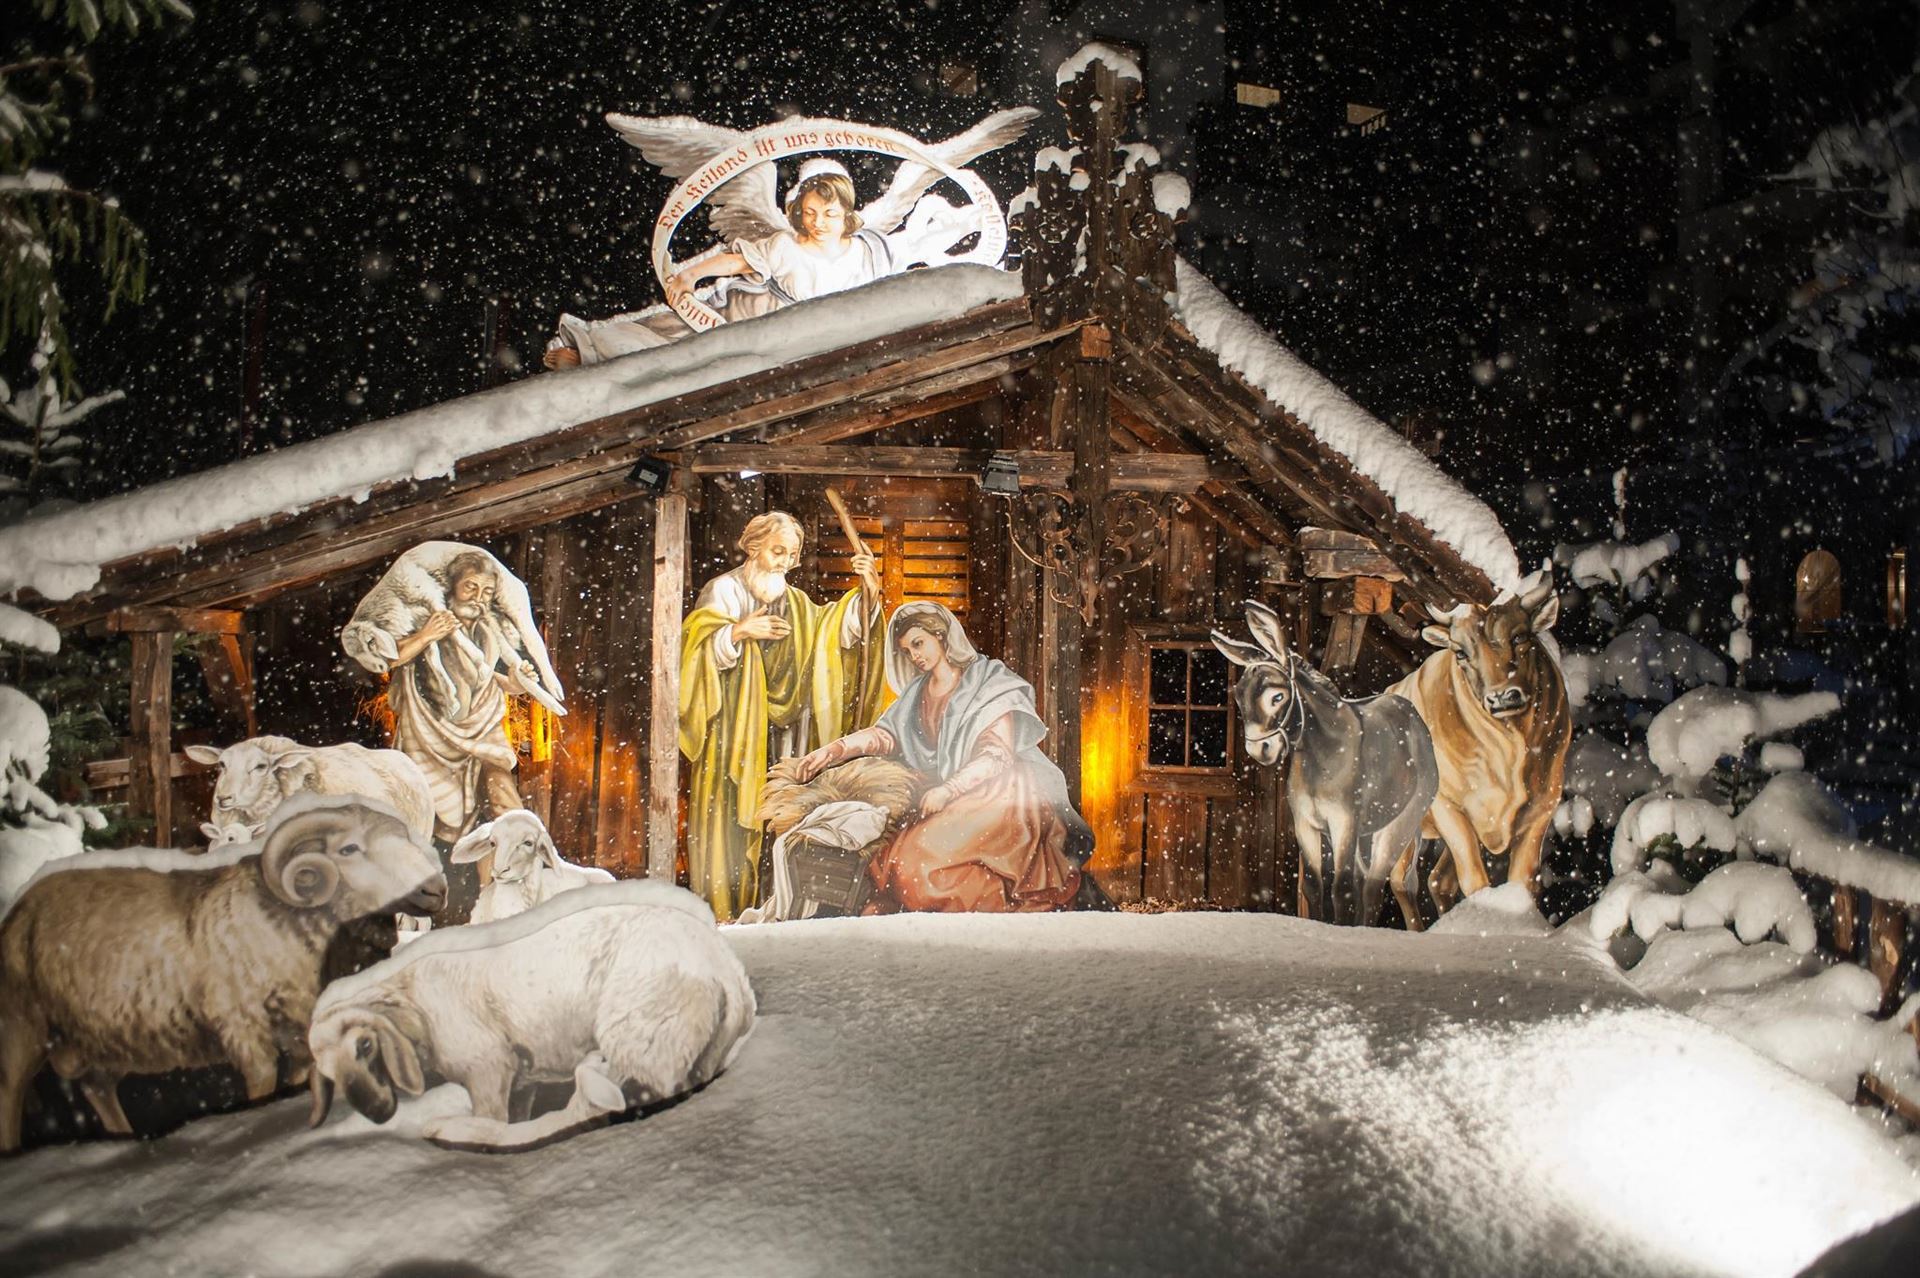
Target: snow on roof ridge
[
  {"x": 1098, "y": 51},
  {"x": 60, "y": 554},
  {"x": 1417, "y": 487}
]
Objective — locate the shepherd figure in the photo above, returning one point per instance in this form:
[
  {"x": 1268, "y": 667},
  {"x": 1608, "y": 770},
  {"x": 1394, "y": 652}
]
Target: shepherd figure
[{"x": 453, "y": 630}]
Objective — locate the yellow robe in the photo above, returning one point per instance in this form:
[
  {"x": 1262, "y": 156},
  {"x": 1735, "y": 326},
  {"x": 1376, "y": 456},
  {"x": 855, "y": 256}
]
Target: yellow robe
[{"x": 727, "y": 717}]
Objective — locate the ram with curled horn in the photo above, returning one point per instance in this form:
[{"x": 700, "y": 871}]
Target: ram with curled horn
[{"x": 147, "y": 960}]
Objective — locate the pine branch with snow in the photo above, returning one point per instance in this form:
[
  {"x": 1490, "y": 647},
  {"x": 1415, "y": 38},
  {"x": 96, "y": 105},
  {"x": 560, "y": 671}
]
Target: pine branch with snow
[
  {"x": 46, "y": 223},
  {"x": 40, "y": 446}
]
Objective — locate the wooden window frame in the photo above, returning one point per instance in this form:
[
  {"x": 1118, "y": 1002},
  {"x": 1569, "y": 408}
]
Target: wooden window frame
[{"x": 1226, "y": 781}]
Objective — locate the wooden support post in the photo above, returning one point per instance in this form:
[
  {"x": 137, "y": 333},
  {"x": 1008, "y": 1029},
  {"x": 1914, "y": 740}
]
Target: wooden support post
[
  {"x": 150, "y": 779},
  {"x": 663, "y": 746},
  {"x": 1086, "y": 428},
  {"x": 496, "y": 322},
  {"x": 1844, "y": 911},
  {"x": 227, "y": 661},
  {"x": 226, "y": 655},
  {"x": 1886, "y": 938}
]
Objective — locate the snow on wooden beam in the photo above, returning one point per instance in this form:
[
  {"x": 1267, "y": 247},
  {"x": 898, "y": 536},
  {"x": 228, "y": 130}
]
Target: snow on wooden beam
[
  {"x": 1281, "y": 454},
  {"x": 579, "y": 468}
]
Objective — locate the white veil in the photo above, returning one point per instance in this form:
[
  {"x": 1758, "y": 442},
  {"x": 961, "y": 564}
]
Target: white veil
[{"x": 900, "y": 672}]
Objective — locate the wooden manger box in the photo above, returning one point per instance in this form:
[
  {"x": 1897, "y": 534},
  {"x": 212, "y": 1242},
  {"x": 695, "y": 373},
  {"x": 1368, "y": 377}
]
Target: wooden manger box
[{"x": 829, "y": 882}]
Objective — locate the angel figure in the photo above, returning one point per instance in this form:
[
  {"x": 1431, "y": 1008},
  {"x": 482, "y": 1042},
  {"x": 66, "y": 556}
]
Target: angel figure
[
  {"x": 776, "y": 252},
  {"x": 455, "y": 631}
]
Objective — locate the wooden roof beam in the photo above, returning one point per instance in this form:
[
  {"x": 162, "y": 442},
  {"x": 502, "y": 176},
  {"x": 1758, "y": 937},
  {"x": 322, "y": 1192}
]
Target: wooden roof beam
[
  {"x": 1280, "y": 453},
  {"x": 342, "y": 534}
]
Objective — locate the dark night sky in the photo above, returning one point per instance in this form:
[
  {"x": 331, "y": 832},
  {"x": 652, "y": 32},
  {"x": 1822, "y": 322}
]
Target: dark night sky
[{"x": 388, "y": 167}]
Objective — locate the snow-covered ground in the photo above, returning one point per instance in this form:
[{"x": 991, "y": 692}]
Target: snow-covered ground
[{"x": 1067, "y": 1094}]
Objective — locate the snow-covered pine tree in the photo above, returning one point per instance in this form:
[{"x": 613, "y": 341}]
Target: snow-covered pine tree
[
  {"x": 52, "y": 716},
  {"x": 40, "y": 449},
  {"x": 45, "y": 220},
  {"x": 35, "y": 827},
  {"x": 1843, "y": 360}
]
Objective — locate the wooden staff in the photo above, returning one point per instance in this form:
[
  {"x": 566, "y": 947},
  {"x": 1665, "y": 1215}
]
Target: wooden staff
[
  {"x": 846, "y": 522},
  {"x": 859, "y": 548}
]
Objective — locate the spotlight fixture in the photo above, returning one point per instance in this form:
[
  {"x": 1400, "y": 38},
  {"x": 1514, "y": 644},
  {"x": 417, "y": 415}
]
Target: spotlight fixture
[
  {"x": 650, "y": 473},
  {"x": 1002, "y": 475}
]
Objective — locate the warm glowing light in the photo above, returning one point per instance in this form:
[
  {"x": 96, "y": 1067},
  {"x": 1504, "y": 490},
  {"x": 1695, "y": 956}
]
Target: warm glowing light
[{"x": 1105, "y": 767}]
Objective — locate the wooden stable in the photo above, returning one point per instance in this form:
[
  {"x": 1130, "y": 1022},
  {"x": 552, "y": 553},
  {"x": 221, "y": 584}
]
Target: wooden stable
[{"x": 1152, "y": 492}]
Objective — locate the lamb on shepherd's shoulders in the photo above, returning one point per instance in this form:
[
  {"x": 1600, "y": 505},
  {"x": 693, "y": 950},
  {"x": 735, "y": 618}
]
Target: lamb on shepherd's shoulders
[{"x": 415, "y": 588}]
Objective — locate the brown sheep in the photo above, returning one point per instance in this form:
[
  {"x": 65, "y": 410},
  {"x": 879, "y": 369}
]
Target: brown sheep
[{"x": 143, "y": 962}]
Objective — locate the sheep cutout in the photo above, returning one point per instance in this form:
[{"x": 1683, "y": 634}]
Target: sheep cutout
[
  {"x": 625, "y": 988},
  {"x": 260, "y": 773},
  {"x": 415, "y": 588},
  {"x": 149, "y": 960},
  {"x": 527, "y": 868}
]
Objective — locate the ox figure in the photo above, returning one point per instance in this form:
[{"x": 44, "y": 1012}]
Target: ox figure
[
  {"x": 1360, "y": 774},
  {"x": 1496, "y": 704}
]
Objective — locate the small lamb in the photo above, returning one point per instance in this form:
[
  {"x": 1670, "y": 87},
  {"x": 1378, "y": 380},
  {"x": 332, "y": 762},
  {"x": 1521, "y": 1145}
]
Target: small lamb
[
  {"x": 527, "y": 868},
  {"x": 625, "y": 988}
]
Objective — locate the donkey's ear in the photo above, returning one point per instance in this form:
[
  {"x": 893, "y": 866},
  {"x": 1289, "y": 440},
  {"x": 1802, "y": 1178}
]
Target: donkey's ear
[
  {"x": 1240, "y": 654},
  {"x": 1268, "y": 630}
]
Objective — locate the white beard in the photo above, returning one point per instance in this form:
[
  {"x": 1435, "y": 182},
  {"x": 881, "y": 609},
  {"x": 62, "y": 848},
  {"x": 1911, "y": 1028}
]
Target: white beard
[{"x": 767, "y": 587}]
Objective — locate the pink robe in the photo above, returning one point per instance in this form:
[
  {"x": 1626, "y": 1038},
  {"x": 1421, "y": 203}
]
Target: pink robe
[{"x": 999, "y": 845}]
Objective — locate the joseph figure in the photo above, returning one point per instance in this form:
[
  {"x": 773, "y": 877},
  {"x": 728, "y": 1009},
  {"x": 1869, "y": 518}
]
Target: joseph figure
[{"x": 765, "y": 674}]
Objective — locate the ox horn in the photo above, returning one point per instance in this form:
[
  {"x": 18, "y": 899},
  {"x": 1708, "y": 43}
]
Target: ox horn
[{"x": 294, "y": 863}]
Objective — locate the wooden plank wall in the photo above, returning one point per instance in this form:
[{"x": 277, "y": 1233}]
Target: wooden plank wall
[
  {"x": 1173, "y": 842},
  {"x": 594, "y": 601}
]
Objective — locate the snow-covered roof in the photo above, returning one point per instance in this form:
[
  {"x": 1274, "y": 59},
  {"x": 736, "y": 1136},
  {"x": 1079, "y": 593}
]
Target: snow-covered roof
[
  {"x": 60, "y": 555},
  {"x": 1416, "y": 486}
]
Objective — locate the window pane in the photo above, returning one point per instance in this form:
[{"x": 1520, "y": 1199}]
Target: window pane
[
  {"x": 1210, "y": 745},
  {"x": 1168, "y": 685},
  {"x": 1210, "y": 678},
  {"x": 1166, "y": 738}
]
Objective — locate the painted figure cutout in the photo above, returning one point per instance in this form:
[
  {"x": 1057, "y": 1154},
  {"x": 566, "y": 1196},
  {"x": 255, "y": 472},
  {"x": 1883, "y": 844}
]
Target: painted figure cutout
[
  {"x": 765, "y": 674},
  {"x": 995, "y": 831},
  {"x": 1360, "y": 774},
  {"x": 454, "y": 630},
  {"x": 1496, "y": 703},
  {"x": 817, "y": 240}
]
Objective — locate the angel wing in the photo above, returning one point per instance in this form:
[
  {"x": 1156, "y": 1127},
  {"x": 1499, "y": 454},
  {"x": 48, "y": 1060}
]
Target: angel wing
[
  {"x": 744, "y": 207},
  {"x": 911, "y": 179}
]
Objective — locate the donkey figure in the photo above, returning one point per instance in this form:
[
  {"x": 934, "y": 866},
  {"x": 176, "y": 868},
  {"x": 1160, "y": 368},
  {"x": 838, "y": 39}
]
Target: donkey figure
[{"x": 1360, "y": 774}]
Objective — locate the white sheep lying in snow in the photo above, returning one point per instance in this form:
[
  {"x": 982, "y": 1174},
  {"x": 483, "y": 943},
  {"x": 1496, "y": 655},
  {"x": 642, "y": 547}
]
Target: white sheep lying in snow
[
  {"x": 527, "y": 868},
  {"x": 260, "y": 773},
  {"x": 625, "y": 988}
]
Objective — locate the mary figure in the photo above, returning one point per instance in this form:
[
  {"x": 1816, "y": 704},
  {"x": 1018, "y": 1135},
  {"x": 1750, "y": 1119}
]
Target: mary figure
[{"x": 996, "y": 833}]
